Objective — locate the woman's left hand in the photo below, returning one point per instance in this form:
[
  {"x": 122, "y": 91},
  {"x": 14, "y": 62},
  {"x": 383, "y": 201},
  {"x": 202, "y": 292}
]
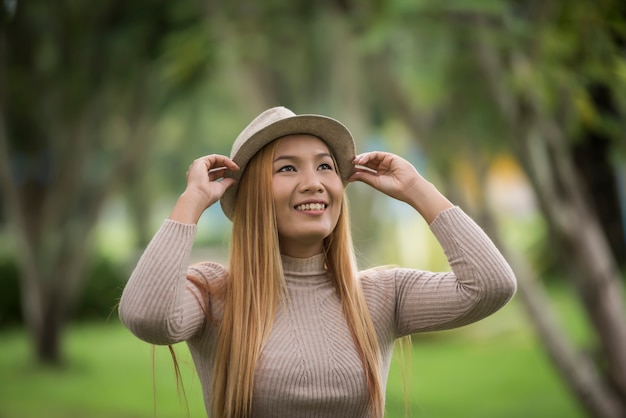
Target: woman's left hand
[
  {"x": 387, "y": 173},
  {"x": 397, "y": 178}
]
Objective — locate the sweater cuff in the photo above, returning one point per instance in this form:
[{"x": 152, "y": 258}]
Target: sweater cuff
[{"x": 175, "y": 235}]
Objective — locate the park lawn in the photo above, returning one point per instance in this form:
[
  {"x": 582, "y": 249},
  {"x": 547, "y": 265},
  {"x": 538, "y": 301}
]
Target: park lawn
[{"x": 494, "y": 368}]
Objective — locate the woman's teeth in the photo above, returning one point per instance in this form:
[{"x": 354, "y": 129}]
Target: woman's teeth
[{"x": 311, "y": 206}]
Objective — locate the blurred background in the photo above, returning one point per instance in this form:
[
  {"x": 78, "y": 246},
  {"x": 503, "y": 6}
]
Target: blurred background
[{"x": 515, "y": 109}]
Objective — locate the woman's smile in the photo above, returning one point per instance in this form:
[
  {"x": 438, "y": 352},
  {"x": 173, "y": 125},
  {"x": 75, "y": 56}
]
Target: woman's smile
[{"x": 311, "y": 207}]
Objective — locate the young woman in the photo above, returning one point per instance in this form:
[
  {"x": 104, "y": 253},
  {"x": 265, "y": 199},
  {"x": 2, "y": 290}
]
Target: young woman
[{"x": 291, "y": 328}]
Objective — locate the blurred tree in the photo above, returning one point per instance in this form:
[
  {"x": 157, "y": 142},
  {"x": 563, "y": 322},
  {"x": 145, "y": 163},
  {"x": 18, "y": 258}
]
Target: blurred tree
[
  {"x": 554, "y": 72},
  {"x": 80, "y": 86}
]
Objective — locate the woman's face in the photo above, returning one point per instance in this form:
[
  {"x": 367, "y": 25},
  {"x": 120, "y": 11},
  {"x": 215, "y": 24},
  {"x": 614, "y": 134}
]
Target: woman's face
[{"x": 308, "y": 193}]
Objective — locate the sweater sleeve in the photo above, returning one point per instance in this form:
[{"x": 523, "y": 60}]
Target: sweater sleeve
[
  {"x": 158, "y": 303},
  {"x": 480, "y": 283}
]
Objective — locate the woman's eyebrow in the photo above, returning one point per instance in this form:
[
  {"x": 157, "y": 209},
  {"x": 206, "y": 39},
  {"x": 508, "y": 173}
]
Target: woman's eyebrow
[{"x": 293, "y": 157}]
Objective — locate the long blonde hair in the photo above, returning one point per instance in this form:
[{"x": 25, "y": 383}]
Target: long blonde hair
[{"x": 255, "y": 287}]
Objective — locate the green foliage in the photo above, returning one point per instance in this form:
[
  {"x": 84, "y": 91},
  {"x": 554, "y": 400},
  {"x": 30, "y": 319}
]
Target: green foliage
[{"x": 572, "y": 49}]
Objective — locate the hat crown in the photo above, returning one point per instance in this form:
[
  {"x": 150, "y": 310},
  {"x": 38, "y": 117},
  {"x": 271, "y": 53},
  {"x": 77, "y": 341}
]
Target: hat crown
[{"x": 262, "y": 121}]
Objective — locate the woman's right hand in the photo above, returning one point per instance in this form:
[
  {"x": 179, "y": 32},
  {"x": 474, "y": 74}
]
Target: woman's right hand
[{"x": 205, "y": 186}]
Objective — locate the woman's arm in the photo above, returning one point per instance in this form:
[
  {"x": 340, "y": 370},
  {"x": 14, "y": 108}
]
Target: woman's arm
[
  {"x": 481, "y": 280},
  {"x": 159, "y": 304},
  {"x": 480, "y": 283}
]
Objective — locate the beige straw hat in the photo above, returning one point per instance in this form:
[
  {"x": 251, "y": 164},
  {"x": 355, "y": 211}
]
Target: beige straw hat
[{"x": 277, "y": 122}]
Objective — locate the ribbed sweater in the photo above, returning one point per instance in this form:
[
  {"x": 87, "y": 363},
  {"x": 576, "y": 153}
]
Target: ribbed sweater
[{"x": 309, "y": 367}]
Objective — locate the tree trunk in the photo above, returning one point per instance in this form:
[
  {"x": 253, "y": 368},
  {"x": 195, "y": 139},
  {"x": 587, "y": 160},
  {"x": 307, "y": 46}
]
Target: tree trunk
[
  {"x": 53, "y": 246},
  {"x": 592, "y": 158},
  {"x": 584, "y": 248},
  {"x": 47, "y": 340},
  {"x": 579, "y": 372}
]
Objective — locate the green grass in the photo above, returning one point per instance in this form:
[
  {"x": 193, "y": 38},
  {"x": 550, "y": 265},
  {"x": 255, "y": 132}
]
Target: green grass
[
  {"x": 108, "y": 374},
  {"x": 494, "y": 368}
]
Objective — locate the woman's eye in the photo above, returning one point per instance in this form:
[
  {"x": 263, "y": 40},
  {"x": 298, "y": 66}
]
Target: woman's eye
[
  {"x": 325, "y": 166},
  {"x": 286, "y": 168}
]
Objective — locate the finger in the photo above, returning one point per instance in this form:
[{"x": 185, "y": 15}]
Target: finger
[
  {"x": 216, "y": 173},
  {"x": 216, "y": 161},
  {"x": 371, "y": 160},
  {"x": 362, "y": 168},
  {"x": 362, "y": 159},
  {"x": 364, "y": 176},
  {"x": 370, "y": 156},
  {"x": 228, "y": 182}
]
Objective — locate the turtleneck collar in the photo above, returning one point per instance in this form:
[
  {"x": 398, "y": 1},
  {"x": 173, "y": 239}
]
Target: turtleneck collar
[{"x": 303, "y": 266}]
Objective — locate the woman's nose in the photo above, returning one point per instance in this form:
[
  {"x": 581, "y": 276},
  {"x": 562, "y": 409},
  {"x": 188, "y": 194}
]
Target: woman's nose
[{"x": 311, "y": 181}]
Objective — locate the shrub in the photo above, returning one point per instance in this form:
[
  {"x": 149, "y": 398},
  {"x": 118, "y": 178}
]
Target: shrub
[
  {"x": 101, "y": 290},
  {"x": 97, "y": 300}
]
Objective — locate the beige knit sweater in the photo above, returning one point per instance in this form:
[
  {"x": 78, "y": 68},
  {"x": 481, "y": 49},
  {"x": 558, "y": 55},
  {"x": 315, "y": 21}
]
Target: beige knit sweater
[{"x": 309, "y": 366}]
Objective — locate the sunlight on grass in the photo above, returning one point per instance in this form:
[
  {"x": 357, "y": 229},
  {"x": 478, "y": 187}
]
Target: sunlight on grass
[{"x": 494, "y": 368}]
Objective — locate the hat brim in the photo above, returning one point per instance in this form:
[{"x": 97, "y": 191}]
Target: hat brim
[{"x": 334, "y": 134}]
